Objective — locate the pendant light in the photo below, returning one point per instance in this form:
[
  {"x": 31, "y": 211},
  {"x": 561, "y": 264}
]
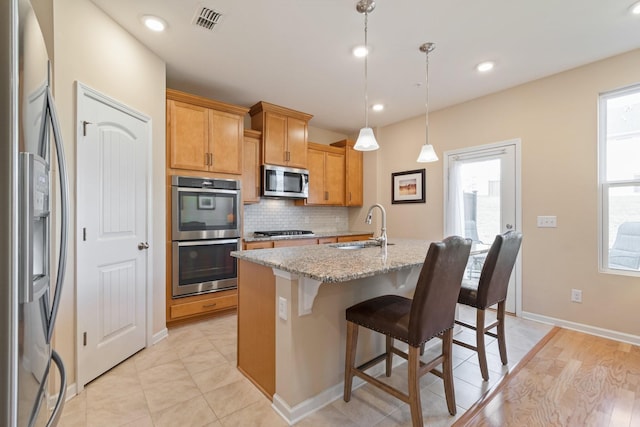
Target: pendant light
[
  {"x": 427, "y": 153},
  {"x": 366, "y": 139}
]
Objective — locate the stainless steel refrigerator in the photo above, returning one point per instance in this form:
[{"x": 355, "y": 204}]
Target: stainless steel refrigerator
[{"x": 30, "y": 143}]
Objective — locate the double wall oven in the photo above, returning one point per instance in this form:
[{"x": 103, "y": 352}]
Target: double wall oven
[{"x": 205, "y": 229}]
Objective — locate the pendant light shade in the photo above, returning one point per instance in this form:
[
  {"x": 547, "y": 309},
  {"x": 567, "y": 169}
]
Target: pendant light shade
[
  {"x": 427, "y": 153},
  {"x": 366, "y": 139}
]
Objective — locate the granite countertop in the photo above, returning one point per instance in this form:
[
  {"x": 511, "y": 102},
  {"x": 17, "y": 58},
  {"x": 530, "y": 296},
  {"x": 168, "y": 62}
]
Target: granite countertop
[
  {"x": 330, "y": 264},
  {"x": 252, "y": 238}
]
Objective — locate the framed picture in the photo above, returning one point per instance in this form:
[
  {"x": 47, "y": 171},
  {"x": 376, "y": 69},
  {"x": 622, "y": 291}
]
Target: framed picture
[
  {"x": 408, "y": 186},
  {"x": 206, "y": 202}
]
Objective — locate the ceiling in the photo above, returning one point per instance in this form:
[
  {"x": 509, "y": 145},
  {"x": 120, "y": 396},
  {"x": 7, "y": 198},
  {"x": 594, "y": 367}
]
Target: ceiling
[{"x": 297, "y": 53}]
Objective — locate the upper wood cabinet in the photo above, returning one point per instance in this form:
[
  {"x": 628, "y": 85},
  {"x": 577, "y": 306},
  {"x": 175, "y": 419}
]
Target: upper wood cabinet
[
  {"x": 251, "y": 167},
  {"x": 203, "y": 134},
  {"x": 326, "y": 175},
  {"x": 353, "y": 175},
  {"x": 284, "y": 134}
]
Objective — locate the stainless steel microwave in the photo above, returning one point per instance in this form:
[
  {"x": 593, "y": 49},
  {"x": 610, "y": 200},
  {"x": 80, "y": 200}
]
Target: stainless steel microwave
[{"x": 280, "y": 181}]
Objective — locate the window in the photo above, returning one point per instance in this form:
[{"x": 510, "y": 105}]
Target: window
[{"x": 619, "y": 180}]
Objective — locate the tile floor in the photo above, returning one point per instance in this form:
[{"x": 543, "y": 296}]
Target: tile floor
[{"x": 190, "y": 379}]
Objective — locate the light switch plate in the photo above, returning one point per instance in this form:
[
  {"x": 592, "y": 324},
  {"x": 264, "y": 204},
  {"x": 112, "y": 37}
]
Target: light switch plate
[
  {"x": 547, "y": 221},
  {"x": 282, "y": 308}
]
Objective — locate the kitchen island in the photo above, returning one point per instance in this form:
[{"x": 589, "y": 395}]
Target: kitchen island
[{"x": 291, "y": 314}]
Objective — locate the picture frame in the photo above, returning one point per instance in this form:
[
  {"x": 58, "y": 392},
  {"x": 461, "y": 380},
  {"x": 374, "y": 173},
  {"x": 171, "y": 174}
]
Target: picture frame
[
  {"x": 206, "y": 202},
  {"x": 408, "y": 186}
]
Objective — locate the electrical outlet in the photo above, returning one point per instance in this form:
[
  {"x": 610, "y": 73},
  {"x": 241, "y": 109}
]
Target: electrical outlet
[
  {"x": 282, "y": 308},
  {"x": 306, "y": 220},
  {"x": 547, "y": 221},
  {"x": 576, "y": 295}
]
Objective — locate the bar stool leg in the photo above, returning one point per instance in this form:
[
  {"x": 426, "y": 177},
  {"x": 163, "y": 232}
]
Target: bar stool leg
[
  {"x": 502, "y": 343},
  {"x": 389, "y": 358},
  {"x": 414, "y": 386},
  {"x": 447, "y": 371},
  {"x": 482, "y": 355},
  {"x": 350, "y": 358}
]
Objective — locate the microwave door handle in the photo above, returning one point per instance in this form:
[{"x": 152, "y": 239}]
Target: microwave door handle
[{"x": 64, "y": 217}]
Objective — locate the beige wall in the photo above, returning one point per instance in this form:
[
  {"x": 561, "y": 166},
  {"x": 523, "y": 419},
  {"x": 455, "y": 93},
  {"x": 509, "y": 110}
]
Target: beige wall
[
  {"x": 92, "y": 49},
  {"x": 556, "y": 119},
  {"x": 323, "y": 136}
]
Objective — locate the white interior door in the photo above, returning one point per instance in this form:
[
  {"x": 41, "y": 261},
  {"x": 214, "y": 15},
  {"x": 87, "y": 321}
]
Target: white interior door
[
  {"x": 113, "y": 144},
  {"x": 482, "y": 189}
]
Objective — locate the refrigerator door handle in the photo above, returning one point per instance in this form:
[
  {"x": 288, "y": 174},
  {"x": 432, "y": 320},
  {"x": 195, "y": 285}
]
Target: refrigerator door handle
[
  {"x": 57, "y": 410},
  {"x": 64, "y": 218}
]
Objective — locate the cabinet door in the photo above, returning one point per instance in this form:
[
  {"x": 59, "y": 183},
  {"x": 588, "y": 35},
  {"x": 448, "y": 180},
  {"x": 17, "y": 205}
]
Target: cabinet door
[
  {"x": 334, "y": 177},
  {"x": 315, "y": 163},
  {"x": 251, "y": 170},
  {"x": 353, "y": 196},
  {"x": 297, "y": 143},
  {"x": 275, "y": 136},
  {"x": 225, "y": 142},
  {"x": 188, "y": 135}
]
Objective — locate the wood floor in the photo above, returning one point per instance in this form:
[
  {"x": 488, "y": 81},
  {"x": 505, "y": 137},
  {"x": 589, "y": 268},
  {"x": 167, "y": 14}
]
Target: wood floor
[{"x": 573, "y": 380}]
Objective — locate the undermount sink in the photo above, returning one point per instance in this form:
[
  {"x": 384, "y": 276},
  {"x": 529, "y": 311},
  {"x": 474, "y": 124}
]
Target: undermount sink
[{"x": 352, "y": 246}]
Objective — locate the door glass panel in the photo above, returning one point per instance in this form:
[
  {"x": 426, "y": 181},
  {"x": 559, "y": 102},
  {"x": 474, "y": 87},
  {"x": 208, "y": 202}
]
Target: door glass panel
[
  {"x": 481, "y": 202},
  {"x": 481, "y": 194}
]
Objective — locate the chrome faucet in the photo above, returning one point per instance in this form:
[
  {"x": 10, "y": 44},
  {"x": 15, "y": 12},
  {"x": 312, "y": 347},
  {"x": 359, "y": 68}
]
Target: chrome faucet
[{"x": 382, "y": 239}]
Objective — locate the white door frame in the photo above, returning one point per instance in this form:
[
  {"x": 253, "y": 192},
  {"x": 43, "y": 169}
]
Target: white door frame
[
  {"x": 518, "y": 187},
  {"x": 82, "y": 91}
]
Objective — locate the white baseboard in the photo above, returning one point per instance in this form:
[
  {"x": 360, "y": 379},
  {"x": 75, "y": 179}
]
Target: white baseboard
[
  {"x": 319, "y": 401},
  {"x": 587, "y": 329},
  {"x": 72, "y": 391},
  {"x": 303, "y": 409},
  {"x": 159, "y": 336}
]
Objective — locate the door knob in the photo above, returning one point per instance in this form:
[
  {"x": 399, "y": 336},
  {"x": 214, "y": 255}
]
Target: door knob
[
  {"x": 143, "y": 245},
  {"x": 509, "y": 226}
]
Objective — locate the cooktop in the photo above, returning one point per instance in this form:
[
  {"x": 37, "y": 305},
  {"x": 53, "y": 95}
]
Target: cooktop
[{"x": 274, "y": 233}]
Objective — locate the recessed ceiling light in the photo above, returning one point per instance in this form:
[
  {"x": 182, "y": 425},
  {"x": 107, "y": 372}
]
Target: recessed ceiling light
[
  {"x": 483, "y": 67},
  {"x": 377, "y": 107},
  {"x": 360, "y": 51},
  {"x": 635, "y": 9},
  {"x": 154, "y": 23}
]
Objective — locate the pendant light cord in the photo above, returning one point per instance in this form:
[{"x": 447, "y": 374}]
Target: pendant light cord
[
  {"x": 426, "y": 102},
  {"x": 366, "y": 86}
]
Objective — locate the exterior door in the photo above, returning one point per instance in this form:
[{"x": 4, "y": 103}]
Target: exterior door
[
  {"x": 113, "y": 145},
  {"x": 483, "y": 201}
]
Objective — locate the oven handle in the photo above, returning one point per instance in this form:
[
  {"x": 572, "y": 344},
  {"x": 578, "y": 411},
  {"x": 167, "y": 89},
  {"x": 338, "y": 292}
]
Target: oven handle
[
  {"x": 208, "y": 242},
  {"x": 206, "y": 190}
]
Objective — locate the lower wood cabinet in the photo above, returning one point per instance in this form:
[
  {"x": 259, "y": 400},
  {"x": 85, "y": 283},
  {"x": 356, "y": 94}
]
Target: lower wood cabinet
[{"x": 185, "y": 308}]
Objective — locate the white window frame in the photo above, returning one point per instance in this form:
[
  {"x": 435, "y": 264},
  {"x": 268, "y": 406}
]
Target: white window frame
[{"x": 605, "y": 185}]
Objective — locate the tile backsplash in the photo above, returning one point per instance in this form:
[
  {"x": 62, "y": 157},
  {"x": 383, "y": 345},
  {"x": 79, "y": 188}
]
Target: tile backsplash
[{"x": 282, "y": 214}]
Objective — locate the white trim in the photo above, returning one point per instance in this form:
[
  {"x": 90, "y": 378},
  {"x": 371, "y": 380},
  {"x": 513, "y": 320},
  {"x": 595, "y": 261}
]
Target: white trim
[
  {"x": 71, "y": 392},
  {"x": 587, "y": 329},
  {"x": 293, "y": 415},
  {"x": 159, "y": 336},
  {"x": 517, "y": 144},
  {"x": 84, "y": 91}
]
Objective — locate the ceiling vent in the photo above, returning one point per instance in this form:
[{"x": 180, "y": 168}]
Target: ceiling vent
[{"x": 206, "y": 18}]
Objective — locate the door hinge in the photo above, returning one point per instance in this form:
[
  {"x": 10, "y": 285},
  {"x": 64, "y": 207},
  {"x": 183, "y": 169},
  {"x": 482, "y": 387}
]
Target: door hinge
[
  {"x": 84, "y": 339},
  {"x": 84, "y": 234}
]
